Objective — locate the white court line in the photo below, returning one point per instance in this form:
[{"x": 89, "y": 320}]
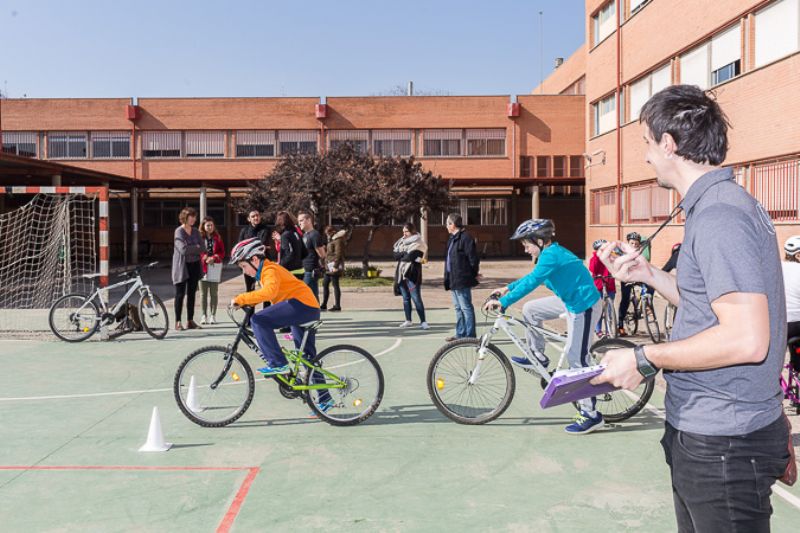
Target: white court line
[
  {"x": 780, "y": 491},
  {"x": 393, "y": 347}
]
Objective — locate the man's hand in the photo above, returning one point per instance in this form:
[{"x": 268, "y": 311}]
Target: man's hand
[
  {"x": 492, "y": 305},
  {"x": 630, "y": 267},
  {"x": 621, "y": 369}
]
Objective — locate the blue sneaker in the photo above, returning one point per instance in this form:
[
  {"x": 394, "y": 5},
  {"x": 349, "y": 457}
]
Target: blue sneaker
[
  {"x": 524, "y": 362},
  {"x": 583, "y": 423},
  {"x": 324, "y": 407},
  {"x": 274, "y": 370}
]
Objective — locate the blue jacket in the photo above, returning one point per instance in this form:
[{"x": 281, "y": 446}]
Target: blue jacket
[{"x": 561, "y": 272}]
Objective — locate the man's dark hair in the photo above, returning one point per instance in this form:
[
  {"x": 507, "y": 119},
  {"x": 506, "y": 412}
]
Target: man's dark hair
[
  {"x": 693, "y": 119},
  {"x": 456, "y": 220}
]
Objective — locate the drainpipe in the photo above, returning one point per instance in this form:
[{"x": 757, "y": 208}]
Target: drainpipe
[{"x": 619, "y": 132}]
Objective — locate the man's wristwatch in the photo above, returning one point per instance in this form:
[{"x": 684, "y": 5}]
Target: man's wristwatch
[{"x": 645, "y": 367}]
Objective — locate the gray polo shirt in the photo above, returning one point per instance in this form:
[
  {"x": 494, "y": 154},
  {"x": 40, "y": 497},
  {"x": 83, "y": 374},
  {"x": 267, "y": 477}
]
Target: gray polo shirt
[{"x": 729, "y": 246}]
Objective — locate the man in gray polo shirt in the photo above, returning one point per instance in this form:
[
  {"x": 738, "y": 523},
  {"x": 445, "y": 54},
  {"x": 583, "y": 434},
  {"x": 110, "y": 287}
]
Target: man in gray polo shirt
[{"x": 726, "y": 436}]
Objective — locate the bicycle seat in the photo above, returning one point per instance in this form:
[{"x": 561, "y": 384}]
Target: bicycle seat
[
  {"x": 91, "y": 276},
  {"x": 313, "y": 325}
]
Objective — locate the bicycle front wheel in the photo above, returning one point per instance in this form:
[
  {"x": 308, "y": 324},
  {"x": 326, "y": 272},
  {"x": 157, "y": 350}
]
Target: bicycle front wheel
[
  {"x": 620, "y": 405},
  {"x": 461, "y": 398},
  {"x": 669, "y": 320},
  {"x": 610, "y": 318},
  {"x": 361, "y": 394},
  {"x": 213, "y": 390},
  {"x": 74, "y": 318},
  {"x": 651, "y": 321},
  {"x": 153, "y": 314}
]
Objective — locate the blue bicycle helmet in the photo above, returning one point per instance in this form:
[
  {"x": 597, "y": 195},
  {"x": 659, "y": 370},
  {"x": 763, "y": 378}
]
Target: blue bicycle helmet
[{"x": 537, "y": 228}]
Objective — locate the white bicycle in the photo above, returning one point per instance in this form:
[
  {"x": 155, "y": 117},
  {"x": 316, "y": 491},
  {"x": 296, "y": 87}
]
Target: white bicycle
[
  {"x": 471, "y": 381},
  {"x": 76, "y": 317}
]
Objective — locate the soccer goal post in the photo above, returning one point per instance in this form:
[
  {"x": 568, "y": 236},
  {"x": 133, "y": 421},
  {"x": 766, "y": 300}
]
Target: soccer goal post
[{"x": 47, "y": 244}]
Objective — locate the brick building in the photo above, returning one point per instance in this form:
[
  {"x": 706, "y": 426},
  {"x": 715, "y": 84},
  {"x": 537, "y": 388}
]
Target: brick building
[
  {"x": 746, "y": 51},
  {"x": 508, "y": 158}
]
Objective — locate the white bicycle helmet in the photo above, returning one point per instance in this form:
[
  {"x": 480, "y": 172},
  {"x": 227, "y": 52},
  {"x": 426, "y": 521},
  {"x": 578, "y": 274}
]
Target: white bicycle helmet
[
  {"x": 247, "y": 249},
  {"x": 598, "y": 243},
  {"x": 792, "y": 245}
]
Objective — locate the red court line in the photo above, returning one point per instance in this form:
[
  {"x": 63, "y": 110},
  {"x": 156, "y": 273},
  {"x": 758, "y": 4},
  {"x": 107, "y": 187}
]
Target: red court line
[{"x": 233, "y": 509}]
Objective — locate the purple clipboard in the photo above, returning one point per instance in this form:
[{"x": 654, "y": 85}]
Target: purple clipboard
[{"x": 573, "y": 385}]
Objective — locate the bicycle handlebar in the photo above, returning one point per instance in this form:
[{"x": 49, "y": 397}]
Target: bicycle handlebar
[{"x": 136, "y": 270}]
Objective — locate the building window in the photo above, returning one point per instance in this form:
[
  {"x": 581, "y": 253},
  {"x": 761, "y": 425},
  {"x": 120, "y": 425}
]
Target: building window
[
  {"x": 255, "y": 144},
  {"x": 559, "y": 166},
  {"x": 603, "y": 23},
  {"x": 525, "y": 166},
  {"x": 604, "y": 207},
  {"x": 636, "y": 5},
  {"x": 777, "y": 31},
  {"x": 21, "y": 143},
  {"x": 576, "y": 166},
  {"x": 648, "y": 203},
  {"x": 441, "y": 143},
  {"x": 486, "y": 142},
  {"x": 641, "y": 90},
  {"x": 777, "y": 187},
  {"x": 695, "y": 67},
  {"x": 359, "y": 139},
  {"x": 604, "y": 120},
  {"x": 726, "y": 55},
  {"x": 205, "y": 144},
  {"x": 297, "y": 142},
  {"x": 111, "y": 144},
  {"x": 161, "y": 144},
  {"x": 391, "y": 143},
  {"x": 67, "y": 145},
  {"x": 484, "y": 211},
  {"x": 543, "y": 166}
]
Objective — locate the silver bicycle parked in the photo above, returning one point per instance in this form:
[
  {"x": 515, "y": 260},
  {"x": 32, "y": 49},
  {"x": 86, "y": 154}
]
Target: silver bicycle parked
[{"x": 76, "y": 317}]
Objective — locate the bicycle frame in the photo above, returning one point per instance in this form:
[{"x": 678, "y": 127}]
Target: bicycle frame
[
  {"x": 136, "y": 285},
  {"x": 506, "y": 323},
  {"x": 294, "y": 356}
]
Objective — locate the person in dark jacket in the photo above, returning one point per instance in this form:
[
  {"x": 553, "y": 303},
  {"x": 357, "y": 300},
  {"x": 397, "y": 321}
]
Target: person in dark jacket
[
  {"x": 461, "y": 269},
  {"x": 409, "y": 251},
  {"x": 255, "y": 228},
  {"x": 290, "y": 255}
]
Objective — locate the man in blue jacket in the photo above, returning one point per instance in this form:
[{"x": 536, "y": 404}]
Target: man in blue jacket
[
  {"x": 575, "y": 294},
  {"x": 461, "y": 268}
]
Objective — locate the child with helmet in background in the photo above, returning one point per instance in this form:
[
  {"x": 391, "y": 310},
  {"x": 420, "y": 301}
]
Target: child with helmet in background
[{"x": 601, "y": 277}]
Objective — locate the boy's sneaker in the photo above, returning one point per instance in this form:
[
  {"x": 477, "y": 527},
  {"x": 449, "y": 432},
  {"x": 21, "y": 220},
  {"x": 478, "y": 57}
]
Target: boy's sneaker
[
  {"x": 203, "y": 319},
  {"x": 212, "y": 319},
  {"x": 583, "y": 423},
  {"x": 424, "y": 325},
  {"x": 524, "y": 362},
  {"x": 324, "y": 407},
  {"x": 274, "y": 370},
  {"x": 406, "y": 324}
]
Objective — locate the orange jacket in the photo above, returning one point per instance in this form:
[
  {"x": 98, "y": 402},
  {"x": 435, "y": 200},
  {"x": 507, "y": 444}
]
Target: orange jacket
[{"x": 277, "y": 285}]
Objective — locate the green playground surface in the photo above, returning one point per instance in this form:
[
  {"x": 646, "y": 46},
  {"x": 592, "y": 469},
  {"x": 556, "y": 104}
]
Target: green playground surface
[{"x": 72, "y": 417}]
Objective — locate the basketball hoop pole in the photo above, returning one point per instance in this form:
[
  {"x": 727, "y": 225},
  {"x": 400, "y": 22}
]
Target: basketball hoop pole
[{"x": 102, "y": 195}]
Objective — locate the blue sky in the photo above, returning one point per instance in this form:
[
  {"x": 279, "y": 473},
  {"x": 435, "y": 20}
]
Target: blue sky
[{"x": 83, "y": 48}]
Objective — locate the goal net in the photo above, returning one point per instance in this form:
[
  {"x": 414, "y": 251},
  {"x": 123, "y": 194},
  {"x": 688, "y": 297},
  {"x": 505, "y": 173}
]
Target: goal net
[{"x": 46, "y": 246}]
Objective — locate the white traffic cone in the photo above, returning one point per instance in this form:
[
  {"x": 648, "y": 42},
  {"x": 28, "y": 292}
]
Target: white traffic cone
[
  {"x": 191, "y": 398},
  {"x": 155, "y": 437}
]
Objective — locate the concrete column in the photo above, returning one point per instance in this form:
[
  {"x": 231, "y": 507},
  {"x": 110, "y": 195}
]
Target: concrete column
[
  {"x": 229, "y": 221},
  {"x": 56, "y": 180},
  {"x": 203, "y": 202},
  {"x": 535, "y": 201},
  {"x": 423, "y": 229},
  {"x": 134, "y": 225}
]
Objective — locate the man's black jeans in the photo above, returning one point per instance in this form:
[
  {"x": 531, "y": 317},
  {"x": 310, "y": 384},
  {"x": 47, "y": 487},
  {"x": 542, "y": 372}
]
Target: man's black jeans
[{"x": 724, "y": 483}]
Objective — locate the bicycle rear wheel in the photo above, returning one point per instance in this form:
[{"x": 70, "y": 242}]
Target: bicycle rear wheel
[
  {"x": 363, "y": 390},
  {"x": 651, "y": 321},
  {"x": 459, "y": 400},
  {"x": 153, "y": 314},
  {"x": 620, "y": 405},
  {"x": 610, "y": 318},
  {"x": 631, "y": 320},
  {"x": 211, "y": 389},
  {"x": 74, "y": 318}
]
